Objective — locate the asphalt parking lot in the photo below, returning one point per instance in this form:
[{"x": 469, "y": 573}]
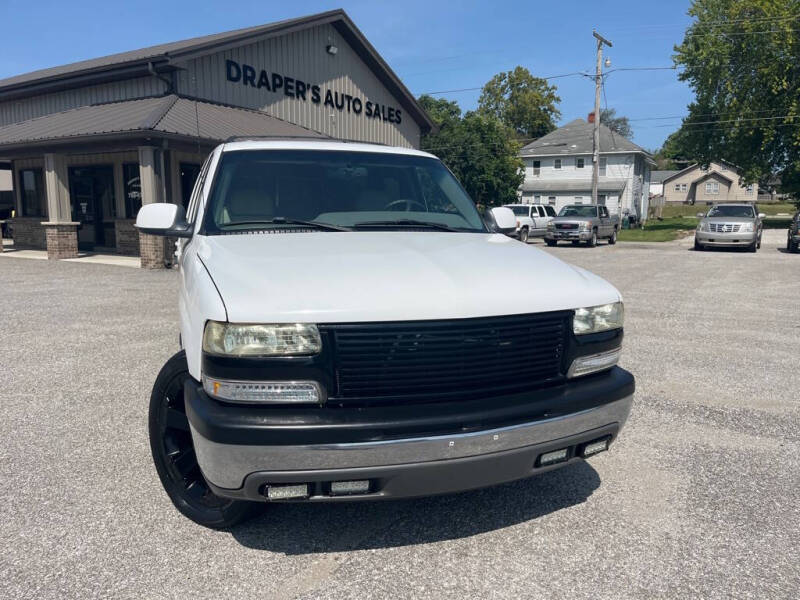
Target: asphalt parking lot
[{"x": 700, "y": 497}]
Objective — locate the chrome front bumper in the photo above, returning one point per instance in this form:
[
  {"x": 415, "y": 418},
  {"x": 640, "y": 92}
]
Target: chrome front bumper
[
  {"x": 568, "y": 234},
  {"x": 227, "y": 466},
  {"x": 708, "y": 238}
]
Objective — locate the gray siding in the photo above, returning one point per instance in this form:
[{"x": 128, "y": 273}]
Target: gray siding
[
  {"x": 14, "y": 111},
  {"x": 302, "y": 55}
]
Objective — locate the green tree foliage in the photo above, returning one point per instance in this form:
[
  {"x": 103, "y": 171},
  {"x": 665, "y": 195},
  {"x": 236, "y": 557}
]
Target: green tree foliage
[
  {"x": 526, "y": 104},
  {"x": 675, "y": 153},
  {"x": 480, "y": 151},
  {"x": 620, "y": 125},
  {"x": 741, "y": 59}
]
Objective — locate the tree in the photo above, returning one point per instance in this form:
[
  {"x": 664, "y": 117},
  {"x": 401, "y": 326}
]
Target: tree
[
  {"x": 620, "y": 125},
  {"x": 674, "y": 153},
  {"x": 526, "y": 104},
  {"x": 741, "y": 59},
  {"x": 480, "y": 151}
]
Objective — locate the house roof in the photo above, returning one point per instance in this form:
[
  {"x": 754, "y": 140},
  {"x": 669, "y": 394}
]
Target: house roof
[
  {"x": 711, "y": 174},
  {"x": 168, "y": 57},
  {"x": 697, "y": 166},
  {"x": 576, "y": 137},
  {"x": 660, "y": 176},
  {"x": 163, "y": 116},
  {"x": 572, "y": 185}
]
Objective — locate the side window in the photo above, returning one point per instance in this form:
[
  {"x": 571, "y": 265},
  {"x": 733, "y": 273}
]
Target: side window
[
  {"x": 603, "y": 211},
  {"x": 197, "y": 191},
  {"x": 550, "y": 211},
  {"x": 541, "y": 211}
]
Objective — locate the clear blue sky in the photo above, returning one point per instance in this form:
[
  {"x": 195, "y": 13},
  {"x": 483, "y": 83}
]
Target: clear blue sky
[{"x": 433, "y": 46}]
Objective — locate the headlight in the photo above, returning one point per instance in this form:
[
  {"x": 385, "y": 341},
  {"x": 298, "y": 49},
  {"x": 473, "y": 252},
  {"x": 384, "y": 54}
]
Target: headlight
[
  {"x": 747, "y": 227},
  {"x": 551, "y": 225},
  {"x": 598, "y": 318},
  {"x": 585, "y": 225},
  {"x": 283, "y": 339},
  {"x": 703, "y": 226}
]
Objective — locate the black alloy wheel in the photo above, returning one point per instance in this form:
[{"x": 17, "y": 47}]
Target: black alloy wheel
[{"x": 174, "y": 454}]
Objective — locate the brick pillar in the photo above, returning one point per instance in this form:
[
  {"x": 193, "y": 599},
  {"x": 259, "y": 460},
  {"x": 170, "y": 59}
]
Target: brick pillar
[
  {"x": 151, "y": 251},
  {"x": 62, "y": 240}
]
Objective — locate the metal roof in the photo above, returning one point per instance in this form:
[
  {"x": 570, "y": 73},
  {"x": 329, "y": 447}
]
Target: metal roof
[
  {"x": 573, "y": 185},
  {"x": 576, "y": 137},
  {"x": 168, "y": 57},
  {"x": 167, "y": 115}
]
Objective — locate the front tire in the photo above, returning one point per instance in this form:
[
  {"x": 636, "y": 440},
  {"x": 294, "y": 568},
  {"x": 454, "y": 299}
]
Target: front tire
[
  {"x": 174, "y": 455},
  {"x": 753, "y": 247},
  {"x": 523, "y": 235},
  {"x": 613, "y": 239},
  {"x": 697, "y": 245},
  {"x": 791, "y": 246},
  {"x": 551, "y": 243},
  {"x": 593, "y": 240}
]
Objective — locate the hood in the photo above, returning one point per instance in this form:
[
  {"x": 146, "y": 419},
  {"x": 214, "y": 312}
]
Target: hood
[{"x": 329, "y": 277}]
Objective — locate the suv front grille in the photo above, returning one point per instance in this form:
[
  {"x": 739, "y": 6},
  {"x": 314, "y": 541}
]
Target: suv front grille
[
  {"x": 422, "y": 361},
  {"x": 724, "y": 227}
]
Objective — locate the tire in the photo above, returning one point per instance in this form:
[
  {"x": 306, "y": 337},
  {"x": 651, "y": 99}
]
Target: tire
[
  {"x": 174, "y": 457},
  {"x": 575, "y": 242},
  {"x": 593, "y": 241},
  {"x": 791, "y": 246},
  {"x": 758, "y": 245},
  {"x": 613, "y": 239},
  {"x": 697, "y": 245},
  {"x": 551, "y": 243},
  {"x": 523, "y": 235},
  {"x": 753, "y": 247}
]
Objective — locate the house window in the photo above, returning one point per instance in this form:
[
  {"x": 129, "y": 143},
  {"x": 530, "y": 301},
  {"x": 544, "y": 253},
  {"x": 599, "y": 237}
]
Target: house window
[
  {"x": 578, "y": 199},
  {"x": 579, "y": 163},
  {"x": 133, "y": 189},
  {"x": 551, "y": 200},
  {"x": 683, "y": 187},
  {"x": 601, "y": 199},
  {"x": 537, "y": 167},
  {"x": 34, "y": 200},
  {"x": 677, "y": 187},
  {"x": 603, "y": 164},
  {"x": 557, "y": 164},
  {"x": 537, "y": 199},
  {"x": 712, "y": 187},
  {"x": 749, "y": 190}
]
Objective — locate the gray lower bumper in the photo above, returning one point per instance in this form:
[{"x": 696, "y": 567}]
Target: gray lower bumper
[
  {"x": 725, "y": 239},
  {"x": 226, "y": 466}
]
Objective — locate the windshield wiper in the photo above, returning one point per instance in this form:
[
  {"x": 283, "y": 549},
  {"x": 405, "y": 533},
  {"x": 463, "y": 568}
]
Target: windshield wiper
[
  {"x": 285, "y": 221},
  {"x": 403, "y": 223}
]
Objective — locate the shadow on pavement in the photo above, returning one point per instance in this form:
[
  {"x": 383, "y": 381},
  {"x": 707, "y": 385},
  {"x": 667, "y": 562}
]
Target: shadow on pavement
[{"x": 339, "y": 527}]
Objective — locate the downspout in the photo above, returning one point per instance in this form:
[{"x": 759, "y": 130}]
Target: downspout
[{"x": 167, "y": 81}]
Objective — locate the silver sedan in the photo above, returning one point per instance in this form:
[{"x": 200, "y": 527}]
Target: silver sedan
[{"x": 731, "y": 226}]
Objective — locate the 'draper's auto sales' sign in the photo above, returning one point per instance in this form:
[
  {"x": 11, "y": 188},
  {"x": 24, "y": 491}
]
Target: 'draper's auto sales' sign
[{"x": 301, "y": 90}]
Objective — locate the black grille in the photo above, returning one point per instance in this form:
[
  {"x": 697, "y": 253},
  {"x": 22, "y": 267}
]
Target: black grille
[
  {"x": 429, "y": 360},
  {"x": 566, "y": 225}
]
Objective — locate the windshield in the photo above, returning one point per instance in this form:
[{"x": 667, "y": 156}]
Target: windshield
[
  {"x": 578, "y": 211},
  {"x": 741, "y": 210},
  {"x": 335, "y": 190},
  {"x": 520, "y": 211}
]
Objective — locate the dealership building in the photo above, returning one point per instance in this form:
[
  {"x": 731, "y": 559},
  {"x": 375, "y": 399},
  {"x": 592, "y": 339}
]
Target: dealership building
[{"x": 87, "y": 144}]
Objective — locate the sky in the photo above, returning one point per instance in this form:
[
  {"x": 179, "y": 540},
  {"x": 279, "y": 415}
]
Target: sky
[{"x": 432, "y": 46}]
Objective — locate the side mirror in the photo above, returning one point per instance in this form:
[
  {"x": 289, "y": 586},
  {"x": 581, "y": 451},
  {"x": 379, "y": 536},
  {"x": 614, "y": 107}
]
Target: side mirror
[
  {"x": 701, "y": 215},
  {"x": 163, "y": 218},
  {"x": 504, "y": 219},
  {"x": 761, "y": 215}
]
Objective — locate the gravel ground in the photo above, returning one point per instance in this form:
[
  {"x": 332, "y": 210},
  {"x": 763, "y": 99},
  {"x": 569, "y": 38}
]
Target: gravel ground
[{"x": 699, "y": 498}]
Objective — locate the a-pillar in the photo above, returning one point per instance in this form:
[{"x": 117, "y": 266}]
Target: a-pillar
[
  {"x": 60, "y": 230},
  {"x": 151, "y": 247}
]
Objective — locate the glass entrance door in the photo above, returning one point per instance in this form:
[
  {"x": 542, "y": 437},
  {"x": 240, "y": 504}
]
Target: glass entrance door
[{"x": 91, "y": 191}]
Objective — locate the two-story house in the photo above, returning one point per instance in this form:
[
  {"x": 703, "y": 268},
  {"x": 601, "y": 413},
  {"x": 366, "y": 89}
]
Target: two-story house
[
  {"x": 717, "y": 183},
  {"x": 558, "y": 170}
]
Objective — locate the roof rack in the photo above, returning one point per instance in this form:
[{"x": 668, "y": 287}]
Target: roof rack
[{"x": 256, "y": 138}]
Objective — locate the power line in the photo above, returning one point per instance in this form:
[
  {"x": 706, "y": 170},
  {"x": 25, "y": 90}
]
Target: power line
[{"x": 472, "y": 89}]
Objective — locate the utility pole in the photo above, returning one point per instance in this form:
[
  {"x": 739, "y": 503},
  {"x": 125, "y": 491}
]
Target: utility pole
[{"x": 598, "y": 81}]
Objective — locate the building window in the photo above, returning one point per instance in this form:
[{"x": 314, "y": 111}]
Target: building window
[
  {"x": 601, "y": 199},
  {"x": 677, "y": 187},
  {"x": 133, "y": 189},
  {"x": 683, "y": 187},
  {"x": 537, "y": 167},
  {"x": 34, "y": 199},
  {"x": 579, "y": 163},
  {"x": 551, "y": 200},
  {"x": 603, "y": 165},
  {"x": 537, "y": 199},
  {"x": 578, "y": 199},
  {"x": 712, "y": 187},
  {"x": 557, "y": 163},
  {"x": 749, "y": 190}
]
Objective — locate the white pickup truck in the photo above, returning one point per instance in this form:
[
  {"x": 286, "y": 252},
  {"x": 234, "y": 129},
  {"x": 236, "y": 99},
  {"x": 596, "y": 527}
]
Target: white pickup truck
[
  {"x": 347, "y": 334},
  {"x": 532, "y": 220}
]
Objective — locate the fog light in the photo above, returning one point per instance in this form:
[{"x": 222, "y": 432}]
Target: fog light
[
  {"x": 556, "y": 456},
  {"x": 583, "y": 365},
  {"x": 268, "y": 392},
  {"x": 594, "y": 447},
  {"x": 287, "y": 492},
  {"x": 342, "y": 488}
]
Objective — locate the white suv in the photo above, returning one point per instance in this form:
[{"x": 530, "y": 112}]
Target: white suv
[
  {"x": 532, "y": 220},
  {"x": 348, "y": 334}
]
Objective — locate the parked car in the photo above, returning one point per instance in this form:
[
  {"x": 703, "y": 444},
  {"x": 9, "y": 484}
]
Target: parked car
[
  {"x": 353, "y": 338},
  {"x": 532, "y": 220},
  {"x": 793, "y": 238},
  {"x": 729, "y": 226},
  {"x": 578, "y": 223}
]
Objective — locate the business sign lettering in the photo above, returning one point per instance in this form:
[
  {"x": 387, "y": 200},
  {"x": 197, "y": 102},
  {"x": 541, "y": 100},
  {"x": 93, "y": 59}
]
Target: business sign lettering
[{"x": 302, "y": 90}]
